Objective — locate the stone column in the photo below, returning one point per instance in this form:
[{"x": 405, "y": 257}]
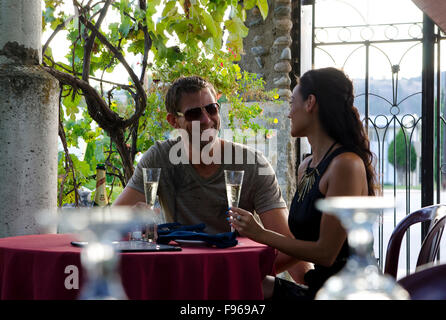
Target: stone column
[
  {"x": 267, "y": 46},
  {"x": 28, "y": 123},
  {"x": 281, "y": 46}
]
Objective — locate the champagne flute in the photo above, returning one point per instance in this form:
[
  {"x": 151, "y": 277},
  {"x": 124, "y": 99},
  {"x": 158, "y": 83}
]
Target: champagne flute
[
  {"x": 151, "y": 179},
  {"x": 233, "y": 180}
]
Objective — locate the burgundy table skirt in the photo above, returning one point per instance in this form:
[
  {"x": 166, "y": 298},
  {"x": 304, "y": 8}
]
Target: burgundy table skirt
[{"x": 35, "y": 267}]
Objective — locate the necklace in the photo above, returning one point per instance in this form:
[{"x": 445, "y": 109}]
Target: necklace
[{"x": 309, "y": 177}]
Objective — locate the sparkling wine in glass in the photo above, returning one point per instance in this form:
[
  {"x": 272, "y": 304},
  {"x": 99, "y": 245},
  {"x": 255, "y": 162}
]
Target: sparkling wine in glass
[
  {"x": 150, "y": 189},
  {"x": 233, "y": 193},
  {"x": 151, "y": 180},
  {"x": 233, "y": 180}
]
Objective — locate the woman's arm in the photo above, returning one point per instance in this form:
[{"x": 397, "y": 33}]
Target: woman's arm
[
  {"x": 276, "y": 220},
  {"x": 345, "y": 177}
]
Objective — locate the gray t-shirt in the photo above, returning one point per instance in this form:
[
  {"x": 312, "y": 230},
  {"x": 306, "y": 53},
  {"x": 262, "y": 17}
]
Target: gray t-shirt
[{"x": 189, "y": 199}]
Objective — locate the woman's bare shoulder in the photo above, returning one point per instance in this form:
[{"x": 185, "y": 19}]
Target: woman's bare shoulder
[
  {"x": 347, "y": 163},
  {"x": 346, "y": 176}
]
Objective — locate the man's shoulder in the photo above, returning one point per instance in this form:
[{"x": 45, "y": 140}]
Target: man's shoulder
[
  {"x": 166, "y": 144},
  {"x": 163, "y": 146},
  {"x": 159, "y": 151}
]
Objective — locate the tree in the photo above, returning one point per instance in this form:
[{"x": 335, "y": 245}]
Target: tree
[
  {"x": 125, "y": 128},
  {"x": 400, "y": 161}
]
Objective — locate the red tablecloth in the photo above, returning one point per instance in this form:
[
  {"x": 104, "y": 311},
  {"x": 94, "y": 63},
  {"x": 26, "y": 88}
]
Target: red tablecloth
[{"x": 33, "y": 267}]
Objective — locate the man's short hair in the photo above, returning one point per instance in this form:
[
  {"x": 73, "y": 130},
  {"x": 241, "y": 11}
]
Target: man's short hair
[{"x": 182, "y": 85}]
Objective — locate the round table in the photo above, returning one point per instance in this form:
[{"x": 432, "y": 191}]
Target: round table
[{"x": 39, "y": 267}]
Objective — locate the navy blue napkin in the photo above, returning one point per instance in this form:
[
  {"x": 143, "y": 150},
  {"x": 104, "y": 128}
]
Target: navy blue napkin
[
  {"x": 167, "y": 228},
  {"x": 220, "y": 240}
]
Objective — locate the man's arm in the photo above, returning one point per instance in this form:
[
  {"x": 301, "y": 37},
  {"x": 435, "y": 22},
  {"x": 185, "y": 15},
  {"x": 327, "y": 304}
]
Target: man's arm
[
  {"x": 129, "y": 197},
  {"x": 276, "y": 219}
]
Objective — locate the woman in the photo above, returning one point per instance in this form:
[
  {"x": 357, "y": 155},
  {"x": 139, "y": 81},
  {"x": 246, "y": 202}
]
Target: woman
[{"x": 340, "y": 165}]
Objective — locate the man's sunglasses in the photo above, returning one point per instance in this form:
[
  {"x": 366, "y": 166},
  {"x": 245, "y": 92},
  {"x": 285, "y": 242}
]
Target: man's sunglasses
[{"x": 194, "y": 114}]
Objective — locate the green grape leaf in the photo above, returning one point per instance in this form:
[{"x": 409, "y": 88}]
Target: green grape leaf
[
  {"x": 89, "y": 153},
  {"x": 209, "y": 23},
  {"x": 236, "y": 27},
  {"x": 263, "y": 7},
  {"x": 150, "y": 11},
  {"x": 170, "y": 9},
  {"x": 136, "y": 47},
  {"x": 48, "y": 14},
  {"x": 72, "y": 105},
  {"x": 249, "y": 4},
  {"x": 125, "y": 26},
  {"x": 123, "y": 5}
]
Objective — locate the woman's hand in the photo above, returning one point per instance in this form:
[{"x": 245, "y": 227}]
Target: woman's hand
[{"x": 243, "y": 221}]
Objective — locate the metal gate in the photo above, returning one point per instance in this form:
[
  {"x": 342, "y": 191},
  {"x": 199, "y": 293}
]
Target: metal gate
[{"x": 394, "y": 61}]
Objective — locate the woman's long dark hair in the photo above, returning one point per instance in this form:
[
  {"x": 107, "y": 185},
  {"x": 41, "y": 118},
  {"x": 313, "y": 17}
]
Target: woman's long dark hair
[{"x": 340, "y": 119}]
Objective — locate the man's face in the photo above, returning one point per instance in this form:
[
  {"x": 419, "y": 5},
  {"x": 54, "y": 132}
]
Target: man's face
[{"x": 210, "y": 123}]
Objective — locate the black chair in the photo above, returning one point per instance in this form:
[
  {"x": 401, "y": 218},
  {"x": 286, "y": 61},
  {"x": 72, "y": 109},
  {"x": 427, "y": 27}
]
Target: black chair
[
  {"x": 426, "y": 284},
  {"x": 431, "y": 213},
  {"x": 431, "y": 244}
]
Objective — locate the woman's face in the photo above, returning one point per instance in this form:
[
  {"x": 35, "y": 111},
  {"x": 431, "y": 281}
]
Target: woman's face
[{"x": 300, "y": 118}]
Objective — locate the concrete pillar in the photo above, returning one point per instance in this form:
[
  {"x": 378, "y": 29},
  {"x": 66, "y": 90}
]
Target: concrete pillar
[{"x": 28, "y": 121}]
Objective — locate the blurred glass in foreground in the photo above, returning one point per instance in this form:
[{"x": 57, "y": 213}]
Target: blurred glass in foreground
[
  {"x": 100, "y": 227},
  {"x": 361, "y": 278}
]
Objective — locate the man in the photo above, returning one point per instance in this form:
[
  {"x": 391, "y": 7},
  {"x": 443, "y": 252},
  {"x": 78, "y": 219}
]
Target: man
[{"x": 192, "y": 184}]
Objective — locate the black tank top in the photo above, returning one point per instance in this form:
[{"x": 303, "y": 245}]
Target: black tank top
[{"x": 304, "y": 221}]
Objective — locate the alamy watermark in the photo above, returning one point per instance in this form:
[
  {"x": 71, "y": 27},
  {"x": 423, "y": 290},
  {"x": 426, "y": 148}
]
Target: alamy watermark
[
  {"x": 200, "y": 146},
  {"x": 72, "y": 280}
]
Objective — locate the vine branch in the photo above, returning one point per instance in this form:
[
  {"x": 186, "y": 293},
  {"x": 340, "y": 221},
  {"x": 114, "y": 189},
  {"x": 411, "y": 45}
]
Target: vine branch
[{"x": 68, "y": 161}]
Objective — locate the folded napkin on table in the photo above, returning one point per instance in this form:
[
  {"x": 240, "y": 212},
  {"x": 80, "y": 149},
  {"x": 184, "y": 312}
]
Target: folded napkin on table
[
  {"x": 220, "y": 240},
  {"x": 167, "y": 228}
]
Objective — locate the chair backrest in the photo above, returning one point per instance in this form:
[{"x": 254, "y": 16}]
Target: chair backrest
[
  {"x": 431, "y": 213},
  {"x": 431, "y": 244},
  {"x": 426, "y": 284}
]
